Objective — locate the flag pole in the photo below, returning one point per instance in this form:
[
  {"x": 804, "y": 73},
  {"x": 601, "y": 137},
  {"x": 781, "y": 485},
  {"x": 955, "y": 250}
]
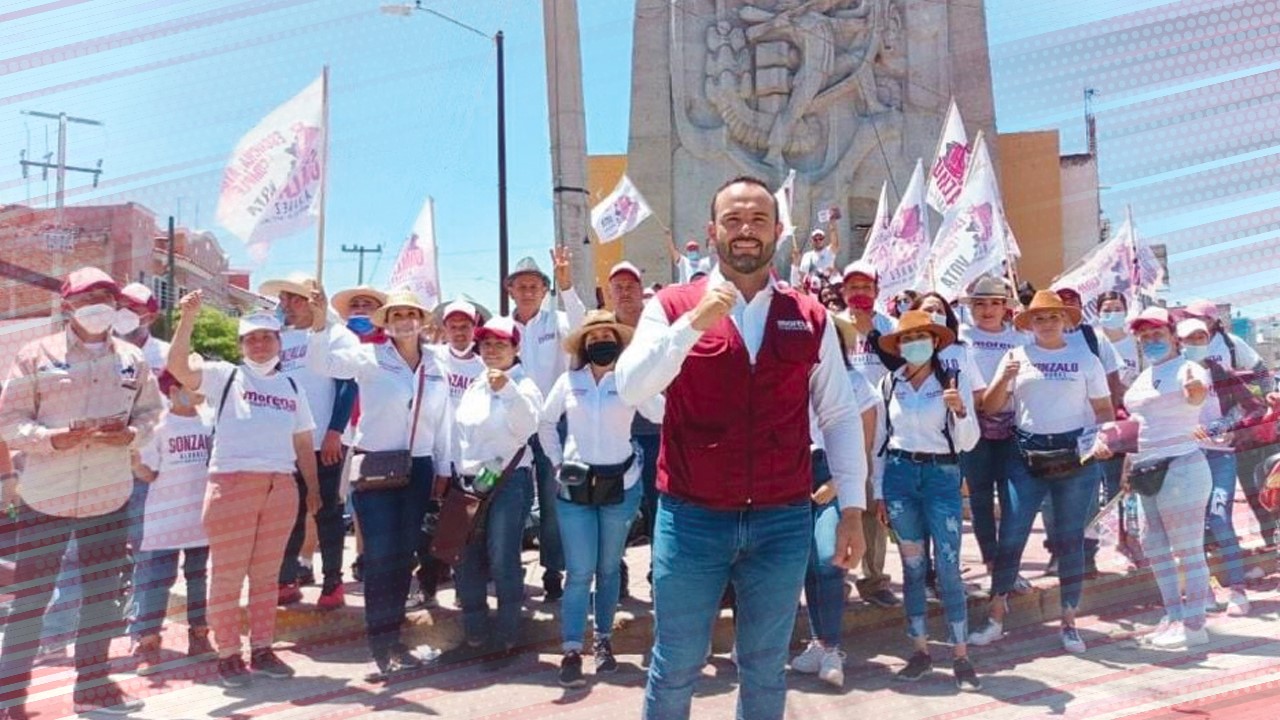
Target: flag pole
[{"x": 324, "y": 171}]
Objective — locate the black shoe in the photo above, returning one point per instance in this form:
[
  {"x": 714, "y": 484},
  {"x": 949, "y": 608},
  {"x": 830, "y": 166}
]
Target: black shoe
[
  {"x": 107, "y": 699},
  {"x": 384, "y": 668},
  {"x": 357, "y": 569},
  {"x": 931, "y": 594},
  {"x": 265, "y": 662},
  {"x": 1090, "y": 567},
  {"x": 553, "y": 584},
  {"x": 408, "y": 659},
  {"x": 884, "y": 598},
  {"x": 306, "y": 575},
  {"x": 917, "y": 667},
  {"x": 1051, "y": 570},
  {"x": 232, "y": 673},
  {"x": 571, "y": 670},
  {"x": 966, "y": 679},
  {"x": 624, "y": 582},
  {"x": 605, "y": 661}
]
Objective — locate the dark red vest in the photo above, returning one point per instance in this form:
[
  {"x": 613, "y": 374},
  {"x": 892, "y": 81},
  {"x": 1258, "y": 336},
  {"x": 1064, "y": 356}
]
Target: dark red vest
[{"x": 736, "y": 436}]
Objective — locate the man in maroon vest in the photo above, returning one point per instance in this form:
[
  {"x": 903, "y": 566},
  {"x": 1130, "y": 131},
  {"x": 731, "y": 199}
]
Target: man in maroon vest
[{"x": 741, "y": 360}]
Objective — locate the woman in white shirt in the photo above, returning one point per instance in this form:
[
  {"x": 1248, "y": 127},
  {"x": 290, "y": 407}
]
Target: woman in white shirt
[
  {"x": 495, "y": 418},
  {"x": 931, "y": 420},
  {"x": 261, "y": 432},
  {"x": 600, "y": 489},
  {"x": 1058, "y": 389},
  {"x": 1170, "y": 474},
  {"x": 404, "y": 406}
]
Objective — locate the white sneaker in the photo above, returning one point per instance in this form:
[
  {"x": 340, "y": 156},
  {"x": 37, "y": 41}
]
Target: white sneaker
[
  {"x": 1255, "y": 573},
  {"x": 1145, "y": 639},
  {"x": 809, "y": 661},
  {"x": 1196, "y": 637},
  {"x": 1022, "y": 586},
  {"x": 1072, "y": 642},
  {"x": 1238, "y": 603},
  {"x": 1173, "y": 638},
  {"x": 990, "y": 633},
  {"x": 832, "y": 670}
]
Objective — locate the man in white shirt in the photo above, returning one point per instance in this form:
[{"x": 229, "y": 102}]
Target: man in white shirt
[
  {"x": 820, "y": 259},
  {"x": 691, "y": 262},
  {"x": 331, "y": 402},
  {"x": 741, "y": 361},
  {"x": 542, "y": 332}
]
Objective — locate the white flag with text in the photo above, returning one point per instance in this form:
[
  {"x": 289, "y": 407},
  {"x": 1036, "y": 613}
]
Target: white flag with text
[
  {"x": 950, "y": 164},
  {"x": 899, "y": 251},
  {"x": 1107, "y": 268},
  {"x": 619, "y": 213},
  {"x": 415, "y": 268}
]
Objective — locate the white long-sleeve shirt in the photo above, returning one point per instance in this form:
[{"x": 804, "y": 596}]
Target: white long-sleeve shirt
[
  {"x": 388, "y": 387},
  {"x": 599, "y": 421},
  {"x": 917, "y": 416},
  {"x": 541, "y": 339},
  {"x": 659, "y": 348},
  {"x": 492, "y": 427},
  {"x": 321, "y": 388}
]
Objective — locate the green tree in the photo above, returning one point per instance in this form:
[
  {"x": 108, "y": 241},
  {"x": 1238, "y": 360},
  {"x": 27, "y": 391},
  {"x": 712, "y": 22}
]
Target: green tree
[{"x": 216, "y": 335}]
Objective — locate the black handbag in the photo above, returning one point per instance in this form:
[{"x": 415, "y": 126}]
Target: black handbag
[
  {"x": 1047, "y": 463},
  {"x": 583, "y": 484},
  {"x": 387, "y": 469},
  {"x": 1147, "y": 478}
]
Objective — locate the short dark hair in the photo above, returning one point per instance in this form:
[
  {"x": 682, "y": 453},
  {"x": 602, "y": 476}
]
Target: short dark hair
[
  {"x": 1110, "y": 295},
  {"x": 749, "y": 180}
]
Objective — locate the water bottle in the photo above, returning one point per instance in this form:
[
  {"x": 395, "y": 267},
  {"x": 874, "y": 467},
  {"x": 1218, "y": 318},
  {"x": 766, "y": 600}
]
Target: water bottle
[{"x": 485, "y": 480}]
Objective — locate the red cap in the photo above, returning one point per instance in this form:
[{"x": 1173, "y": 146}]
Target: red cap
[
  {"x": 140, "y": 295},
  {"x": 1203, "y": 309},
  {"x": 1151, "y": 317},
  {"x": 86, "y": 279},
  {"x": 501, "y": 328},
  {"x": 691, "y": 245}
]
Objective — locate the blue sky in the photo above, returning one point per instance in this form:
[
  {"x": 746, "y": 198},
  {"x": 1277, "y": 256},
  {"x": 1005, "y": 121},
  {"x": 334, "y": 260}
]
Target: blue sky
[{"x": 412, "y": 110}]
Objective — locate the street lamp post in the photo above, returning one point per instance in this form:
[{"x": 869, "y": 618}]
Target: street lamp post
[{"x": 406, "y": 10}]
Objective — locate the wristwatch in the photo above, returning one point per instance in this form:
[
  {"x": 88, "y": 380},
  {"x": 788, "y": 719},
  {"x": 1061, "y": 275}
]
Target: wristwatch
[{"x": 5, "y": 477}]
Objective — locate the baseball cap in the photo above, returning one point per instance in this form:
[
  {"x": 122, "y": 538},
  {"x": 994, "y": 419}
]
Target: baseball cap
[
  {"x": 817, "y": 232},
  {"x": 1203, "y": 309},
  {"x": 1191, "y": 326},
  {"x": 140, "y": 295},
  {"x": 258, "y": 321},
  {"x": 691, "y": 245},
  {"x": 860, "y": 267},
  {"x": 460, "y": 307},
  {"x": 626, "y": 267},
  {"x": 501, "y": 328},
  {"x": 1152, "y": 316},
  {"x": 86, "y": 279}
]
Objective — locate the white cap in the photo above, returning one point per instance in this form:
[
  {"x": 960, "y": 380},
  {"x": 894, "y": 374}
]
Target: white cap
[
  {"x": 258, "y": 321},
  {"x": 860, "y": 267},
  {"x": 460, "y": 307},
  {"x": 626, "y": 267},
  {"x": 817, "y": 232},
  {"x": 1191, "y": 326}
]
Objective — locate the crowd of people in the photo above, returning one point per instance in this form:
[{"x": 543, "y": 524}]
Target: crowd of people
[{"x": 771, "y": 437}]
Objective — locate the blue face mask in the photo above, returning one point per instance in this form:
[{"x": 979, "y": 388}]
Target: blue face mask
[
  {"x": 1155, "y": 350},
  {"x": 1111, "y": 320},
  {"x": 280, "y": 314},
  {"x": 360, "y": 325},
  {"x": 917, "y": 352},
  {"x": 1195, "y": 353},
  {"x": 692, "y": 255},
  {"x": 938, "y": 318}
]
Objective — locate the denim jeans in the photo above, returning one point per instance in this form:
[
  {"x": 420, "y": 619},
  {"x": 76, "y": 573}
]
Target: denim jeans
[
  {"x": 391, "y": 521},
  {"x": 1071, "y": 499},
  {"x": 154, "y": 576},
  {"x": 986, "y": 470},
  {"x": 920, "y": 499},
  {"x": 330, "y": 530},
  {"x": 550, "y": 548},
  {"x": 42, "y": 540},
  {"x": 649, "y": 445},
  {"x": 64, "y": 604},
  {"x": 824, "y": 581},
  {"x": 696, "y": 552},
  {"x": 1173, "y": 537},
  {"x": 1218, "y": 521},
  {"x": 496, "y": 553},
  {"x": 594, "y": 539}
]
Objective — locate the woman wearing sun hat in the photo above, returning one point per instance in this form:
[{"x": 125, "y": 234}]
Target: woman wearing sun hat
[
  {"x": 404, "y": 398},
  {"x": 599, "y": 477},
  {"x": 930, "y": 420},
  {"x": 1058, "y": 389}
]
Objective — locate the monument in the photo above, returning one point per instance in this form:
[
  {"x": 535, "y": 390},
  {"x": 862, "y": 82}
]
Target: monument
[{"x": 848, "y": 93}]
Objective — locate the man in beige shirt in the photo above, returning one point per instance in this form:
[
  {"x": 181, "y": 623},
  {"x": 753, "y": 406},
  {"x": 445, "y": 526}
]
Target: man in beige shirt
[{"x": 75, "y": 403}]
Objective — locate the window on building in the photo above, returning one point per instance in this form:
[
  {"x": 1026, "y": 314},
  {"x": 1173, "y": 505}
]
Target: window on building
[{"x": 160, "y": 288}]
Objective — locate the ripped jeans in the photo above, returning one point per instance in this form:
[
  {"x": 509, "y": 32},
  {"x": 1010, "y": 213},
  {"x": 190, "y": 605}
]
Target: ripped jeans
[{"x": 923, "y": 500}]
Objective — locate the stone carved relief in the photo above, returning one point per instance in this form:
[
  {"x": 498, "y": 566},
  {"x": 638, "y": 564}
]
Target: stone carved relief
[{"x": 784, "y": 84}]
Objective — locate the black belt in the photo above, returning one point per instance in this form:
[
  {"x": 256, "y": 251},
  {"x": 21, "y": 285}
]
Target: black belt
[{"x": 924, "y": 457}]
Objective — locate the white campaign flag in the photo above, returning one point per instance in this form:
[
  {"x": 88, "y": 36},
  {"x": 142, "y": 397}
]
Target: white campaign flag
[
  {"x": 786, "y": 195},
  {"x": 876, "y": 234},
  {"x": 900, "y": 250},
  {"x": 950, "y": 164},
  {"x": 620, "y": 212},
  {"x": 272, "y": 183},
  {"x": 971, "y": 241},
  {"x": 1147, "y": 270},
  {"x": 415, "y": 268},
  {"x": 1108, "y": 267}
]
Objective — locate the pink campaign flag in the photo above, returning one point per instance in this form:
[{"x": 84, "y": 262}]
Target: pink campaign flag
[
  {"x": 1108, "y": 267},
  {"x": 951, "y": 164},
  {"x": 619, "y": 213},
  {"x": 899, "y": 250},
  {"x": 272, "y": 183},
  {"x": 415, "y": 268}
]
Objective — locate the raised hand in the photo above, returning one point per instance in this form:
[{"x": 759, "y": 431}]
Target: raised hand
[{"x": 561, "y": 267}]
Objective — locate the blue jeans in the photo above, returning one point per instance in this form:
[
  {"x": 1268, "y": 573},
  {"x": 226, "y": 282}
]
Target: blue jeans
[
  {"x": 154, "y": 576},
  {"x": 1071, "y": 500},
  {"x": 1173, "y": 538},
  {"x": 550, "y": 548},
  {"x": 1218, "y": 522},
  {"x": 649, "y": 445},
  {"x": 824, "y": 581},
  {"x": 923, "y": 499},
  {"x": 496, "y": 553},
  {"x": 64, "y": 604},
  {"x": 391, "y": 521},
  {"x": 697, "y": 551},
  {"x": 986, "y": 470},
  {"x": 595, "y": 537}
]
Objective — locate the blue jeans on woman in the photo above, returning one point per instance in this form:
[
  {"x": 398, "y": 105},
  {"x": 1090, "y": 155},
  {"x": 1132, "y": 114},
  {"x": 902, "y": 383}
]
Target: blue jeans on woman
[
  {"x": 1218, "y": 521},
  {"x": 923, "y": 499},
  {"x": 154, "y": 576},
  {"x": 986, "y": 470},
  {"x": 390, "y": 521},
  {"x": 1071, "y": 498},
  {"x": 697, "y": 551},
  {"x": 823, "y": 581},
  {"x": 496, "y": 553},
  {"x": 594, "y": 538}
]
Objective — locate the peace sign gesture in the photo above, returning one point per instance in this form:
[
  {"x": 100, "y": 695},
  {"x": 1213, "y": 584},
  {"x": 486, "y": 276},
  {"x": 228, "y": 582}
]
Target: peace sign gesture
[{"x": 562, "y": 268}]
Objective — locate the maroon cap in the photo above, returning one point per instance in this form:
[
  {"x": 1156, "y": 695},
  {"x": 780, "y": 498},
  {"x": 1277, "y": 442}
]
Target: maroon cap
[
  {"x": 501, "y": 328},
  {"x": 691, "y": 245},
  {"x": 86, "y": 279},
  {"x": 1151, "y": 317},
  {"x": 140, "y": 295}
]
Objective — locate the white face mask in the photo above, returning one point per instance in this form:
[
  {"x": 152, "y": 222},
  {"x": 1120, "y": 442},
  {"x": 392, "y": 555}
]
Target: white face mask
[
  {"x": 402, "y": 329},
  {"x": 938, "y": 319},
  {"x": 95, "y": 319},
  {"x": 126, "y": 322},
  {"x": 261, "y": 369}
]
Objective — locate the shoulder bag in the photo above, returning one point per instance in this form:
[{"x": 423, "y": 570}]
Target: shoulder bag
[
  {"x": 388, "y": 469},
  {"x": 463, "y": 515}
]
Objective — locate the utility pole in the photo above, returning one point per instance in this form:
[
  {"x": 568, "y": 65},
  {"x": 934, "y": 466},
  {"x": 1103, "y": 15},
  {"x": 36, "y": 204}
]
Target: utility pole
[
  {"x": 171, "y": 289},
  {"x": 362, "y": 249}
]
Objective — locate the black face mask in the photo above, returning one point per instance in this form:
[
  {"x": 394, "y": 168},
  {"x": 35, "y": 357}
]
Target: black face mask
[{"x": 604, "y": 352}]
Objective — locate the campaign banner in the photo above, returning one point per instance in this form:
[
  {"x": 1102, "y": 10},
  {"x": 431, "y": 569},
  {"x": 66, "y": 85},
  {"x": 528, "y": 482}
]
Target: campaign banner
[
  {"x": 950, "y": 164},
  {"x": 786, "y": 196},
  {"x": 415, "y": 267},
  {"x": 619, "y": 213},
  {"x": 900, "y": 250},
  {"x": 971, "y": 241},
  {"x": 272, "y": 183},
  {"x": 1107, "y": 268}
]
